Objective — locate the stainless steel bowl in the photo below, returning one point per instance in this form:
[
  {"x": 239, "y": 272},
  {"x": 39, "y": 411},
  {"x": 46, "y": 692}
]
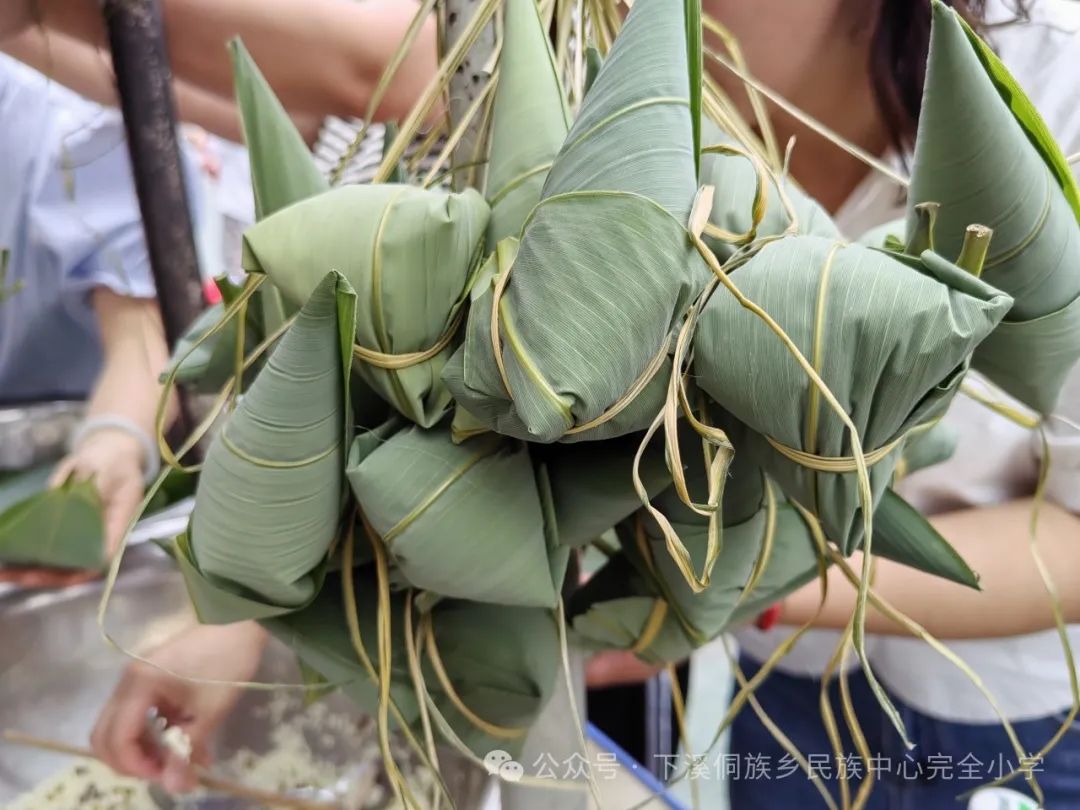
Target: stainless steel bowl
[{"x": 56, "y": 672}]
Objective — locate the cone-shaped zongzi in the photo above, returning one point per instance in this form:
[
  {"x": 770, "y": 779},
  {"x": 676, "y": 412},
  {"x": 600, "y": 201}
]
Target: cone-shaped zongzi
[
  {"x": 409, "y": 252},
  {"x": 604, "y": 271},
  {"x": 891, "y": 340},
  {"x": 449, "y": 511},
  {"x": 269, "y": 498},
  {"x": 984, "y": 154}
]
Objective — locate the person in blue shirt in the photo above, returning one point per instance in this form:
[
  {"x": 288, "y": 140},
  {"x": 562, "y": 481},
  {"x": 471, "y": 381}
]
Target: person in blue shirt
[{"x": 78, "y": 319}]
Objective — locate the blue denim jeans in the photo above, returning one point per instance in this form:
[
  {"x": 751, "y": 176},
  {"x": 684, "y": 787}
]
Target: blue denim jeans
[{"x": 949, "y": 759}]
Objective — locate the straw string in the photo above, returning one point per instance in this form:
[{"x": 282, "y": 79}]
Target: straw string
[
  {"x": 489, "y": 728},
  {"x": 394, "y": 362},
  {"x": 651, "y": 628},
  {"x": 841, "y": 464}
]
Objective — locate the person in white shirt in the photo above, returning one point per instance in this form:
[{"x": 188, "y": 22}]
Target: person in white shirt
[{"x": 980, "y": 500}]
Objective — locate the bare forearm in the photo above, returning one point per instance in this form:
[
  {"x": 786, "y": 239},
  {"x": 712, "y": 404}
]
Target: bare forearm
[
  {"x": 88, "y": 71},
  {"x": 994, "y": 541},
  {"x": 135, "y": 353},
  {"x": 322, "y": 57}
]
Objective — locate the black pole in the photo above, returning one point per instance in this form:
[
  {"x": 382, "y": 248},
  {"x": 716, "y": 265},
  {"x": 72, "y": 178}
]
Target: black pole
[
  {"x": 144, "y": 84},
  {"x": 143, "y": 79}
]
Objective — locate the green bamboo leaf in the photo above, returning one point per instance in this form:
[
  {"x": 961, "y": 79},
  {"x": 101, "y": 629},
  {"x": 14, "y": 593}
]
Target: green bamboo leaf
[
  {"x": 585, "y": 316},
  {"x": 983, "y": 153},
  {"x": 593, "y": 62},
  {"x": 891, "y": 339},
  {"x": 502, "y": 661},
  {"x": 319, "y": 636},
  {"x": 1024, "y": 111},
  {"x": 59, "y": 527},
  {"x": 269, "y": 496},
  {"x": 409, "y": 252},
  {"x": 903, "y": 535},
  {"x": 283, "y": 170},
  {"x": 930, "y": 447},
  {"x": 529, "y": 121},
  {"x": 695, "y": 59},
  {"x": 448, "y": 510},
  {"x": 204, "y": 364},
  {"x": 593, "y": 489},
  {"x": 735, "y": 181}
]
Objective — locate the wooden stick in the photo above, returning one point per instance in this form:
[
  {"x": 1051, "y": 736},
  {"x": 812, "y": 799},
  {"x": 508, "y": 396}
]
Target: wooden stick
[{"x": 205, "y": 780}]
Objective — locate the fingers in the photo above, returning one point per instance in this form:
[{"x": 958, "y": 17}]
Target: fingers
[
  {"x": 178, "y": 775},
  {"x": 64, "y": 469},
  {"x": 119, "y": 737},
  {"x": 44, "y": 577},
  {"x": 120, "y": 507},
  {"x": 617, "y": 668}
]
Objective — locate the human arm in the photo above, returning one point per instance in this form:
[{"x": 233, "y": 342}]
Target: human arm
[
  {"x": 209, "y": 652},
  {"x": 994, "y": 541},
  {"x": 134, "y": 353},
  {"x": 322, "y": 57},
  {"x": 88, "y": 71}
]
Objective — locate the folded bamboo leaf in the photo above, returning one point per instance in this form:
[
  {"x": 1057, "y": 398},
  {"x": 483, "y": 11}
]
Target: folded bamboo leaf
[
  {"x": 529, "y": 121},
  {"x": 593, "y": 487},
  {"x": 319, "y": 636},
  {"x": 890, "y": 342},
  {"x": 269, "y": 497},
  {"x": 204, "y": 364},
  {"x": 283, "y": 170},
  {"x": 984, "y": 154},
  {"x": 928, "y": 448},
  {"x": 585, "y": 316},
  {"x": 903, "y": 535},
  {"x": 793, "y": 563},
  {"x": 505, "y": 673},
  {"x": 59, "y": 527},
  {"x": 735, "y": 181},
  {"x": 640, "y": 599},
  {"x": 409, "y": 252},
  {"x": 501, "y": 661},
  {"x": 447, "y": 511},
  {"x": 615, "y": 608}
]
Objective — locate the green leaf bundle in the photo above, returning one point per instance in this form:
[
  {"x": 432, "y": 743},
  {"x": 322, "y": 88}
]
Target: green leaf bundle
[
  {"x": 448, "y": 512},
  {"x": 890, "y": 339},
  {"x": 984, "y": 154},
  {"x": 409, "y": 252},
  {"x": 583, "y": 308},
  {"x": 269, "y": 498}
]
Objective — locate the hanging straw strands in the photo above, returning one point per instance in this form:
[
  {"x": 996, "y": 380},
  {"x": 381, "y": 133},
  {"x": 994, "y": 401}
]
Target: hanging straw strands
[{"x": 473, "y": 338}]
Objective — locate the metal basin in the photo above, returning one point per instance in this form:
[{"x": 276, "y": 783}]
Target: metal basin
[{"x": 56, "y": 672}]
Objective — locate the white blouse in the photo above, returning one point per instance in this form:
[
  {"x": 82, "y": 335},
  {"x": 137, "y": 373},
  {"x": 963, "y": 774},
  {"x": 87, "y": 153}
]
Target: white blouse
[{"x": 995, "y": 460}]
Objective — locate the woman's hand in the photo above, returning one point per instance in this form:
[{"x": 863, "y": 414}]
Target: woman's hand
[
  {"x": 113, "y": 460},
  {"x": 617, "y": 668},
  {"x": 222, "y": 653}
]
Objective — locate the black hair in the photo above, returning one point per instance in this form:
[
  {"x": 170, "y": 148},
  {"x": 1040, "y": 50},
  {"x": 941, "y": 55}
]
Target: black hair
[{"x": 899, "y": 47}]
